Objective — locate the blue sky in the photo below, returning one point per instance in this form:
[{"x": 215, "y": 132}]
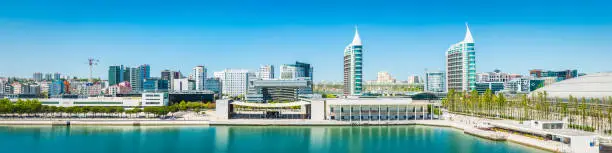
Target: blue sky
[{"x": 401, "y": 37}]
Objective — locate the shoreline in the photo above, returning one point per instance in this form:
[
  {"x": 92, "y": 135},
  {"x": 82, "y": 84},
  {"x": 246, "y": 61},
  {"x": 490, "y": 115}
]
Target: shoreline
[{"x": 467, "y": 129}]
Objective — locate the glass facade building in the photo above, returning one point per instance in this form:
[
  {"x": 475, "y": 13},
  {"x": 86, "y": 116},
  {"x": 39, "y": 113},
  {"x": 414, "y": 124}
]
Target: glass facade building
[
  {"x": 434, "y": 82},
  {"x": 461, "y": 65},
  {"x": 115, "y": 75},
  {"x": 353, "y": 67}
]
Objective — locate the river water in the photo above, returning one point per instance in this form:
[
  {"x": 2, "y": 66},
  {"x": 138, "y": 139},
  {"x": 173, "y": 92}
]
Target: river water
[{"x": 246, "y": 139}]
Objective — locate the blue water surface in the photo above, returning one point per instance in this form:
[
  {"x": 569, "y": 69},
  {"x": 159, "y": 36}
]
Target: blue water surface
[{"x": 246, "y": 139}]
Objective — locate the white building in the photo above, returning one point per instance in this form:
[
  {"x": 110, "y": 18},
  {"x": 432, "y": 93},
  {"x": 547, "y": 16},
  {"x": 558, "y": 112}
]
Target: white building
[
  {"x": 199, "y": 75},
  {"x": 496, "y": 76},
  {"x": 434, "y": 81},
  {"x": 353, "y": 67},
  {"x": 414, "y": 79},
  {"x": 385, "y": 77},
  {"x": 180, "y": 85},
  {"x": 266, "y": 72},
  {"x": 461, "y": 65},
  {"x": 155, "y": 99},
  {"x": 234, "y": 82}
]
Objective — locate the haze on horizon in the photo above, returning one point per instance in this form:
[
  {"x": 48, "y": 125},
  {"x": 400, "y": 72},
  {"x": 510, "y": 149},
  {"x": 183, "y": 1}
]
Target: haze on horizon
[{"x": 401, "y": 37}]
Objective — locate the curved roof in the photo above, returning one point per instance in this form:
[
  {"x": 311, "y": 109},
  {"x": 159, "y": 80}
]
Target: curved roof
[{"x": 596, "y": 85}]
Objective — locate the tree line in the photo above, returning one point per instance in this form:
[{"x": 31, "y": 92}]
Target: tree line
[
  {"x": 593, "y": 115},
  {"x": 34, "y": 108}
]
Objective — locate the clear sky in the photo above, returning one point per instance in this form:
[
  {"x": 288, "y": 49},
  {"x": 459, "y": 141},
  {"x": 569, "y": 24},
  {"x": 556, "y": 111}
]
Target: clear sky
[{"x": 402, "y": 37}]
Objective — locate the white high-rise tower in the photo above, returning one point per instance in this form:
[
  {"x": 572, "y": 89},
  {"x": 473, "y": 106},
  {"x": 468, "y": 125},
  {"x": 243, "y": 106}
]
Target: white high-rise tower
[
  {"x": 353, "y": 64},
  {"x": 461, "y": 64},
  {"x": 199, "y": 75}
]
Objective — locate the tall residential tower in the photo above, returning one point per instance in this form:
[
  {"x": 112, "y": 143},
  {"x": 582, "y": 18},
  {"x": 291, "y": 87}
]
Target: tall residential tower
[
  {"x": 461, "y": 65},
  {"x": 353, "y": 74}
]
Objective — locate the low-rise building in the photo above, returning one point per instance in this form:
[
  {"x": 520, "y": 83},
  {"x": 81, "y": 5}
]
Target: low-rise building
[
  {"x": 495, "y": 87},
  {"x": 155, "y": 99},
  {"x": 265, "y": 91}
]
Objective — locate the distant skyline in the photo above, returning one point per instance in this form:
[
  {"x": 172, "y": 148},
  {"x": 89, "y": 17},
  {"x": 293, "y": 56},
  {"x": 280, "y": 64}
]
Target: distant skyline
[{"x": 401, "y": 37}]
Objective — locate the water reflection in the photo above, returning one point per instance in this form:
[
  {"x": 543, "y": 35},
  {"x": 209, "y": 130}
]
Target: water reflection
[{"x": 243, "y": 139}]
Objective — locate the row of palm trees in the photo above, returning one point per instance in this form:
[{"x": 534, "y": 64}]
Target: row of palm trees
[
  {"x": 594, "y": 115},
  {"x": 34, "y": 108}
]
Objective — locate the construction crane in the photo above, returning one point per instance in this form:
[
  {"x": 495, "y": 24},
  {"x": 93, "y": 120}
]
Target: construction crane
[{"x": 92, "y": 62}]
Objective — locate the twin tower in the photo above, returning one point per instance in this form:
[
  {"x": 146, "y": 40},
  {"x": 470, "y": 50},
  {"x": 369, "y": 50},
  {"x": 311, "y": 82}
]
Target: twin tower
[{"x": 460, "y": 66}]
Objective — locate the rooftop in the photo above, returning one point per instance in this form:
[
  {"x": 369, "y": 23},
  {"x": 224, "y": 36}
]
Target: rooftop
[
  {"x": 589, "y": 86},
  {"x": 372, "y": 101}
]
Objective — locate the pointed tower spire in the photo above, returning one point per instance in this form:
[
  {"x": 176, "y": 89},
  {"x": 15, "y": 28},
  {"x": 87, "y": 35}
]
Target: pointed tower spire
[
  {"x": 356, "y": 39},
  {"x": 468, "y": 35}
]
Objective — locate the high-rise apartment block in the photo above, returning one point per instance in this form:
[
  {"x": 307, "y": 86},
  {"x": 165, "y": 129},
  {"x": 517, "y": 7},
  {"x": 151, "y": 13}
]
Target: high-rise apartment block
[
  {"x": 353, "y": 67},
  {"x": 461, "y": 65},
  {"x": 199, "y": 75}
]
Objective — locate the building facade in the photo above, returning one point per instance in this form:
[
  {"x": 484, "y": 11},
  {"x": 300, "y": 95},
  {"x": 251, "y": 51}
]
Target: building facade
[
  {"x": 297, "y": 70},
  {"x": 199, "y": 75},
  {"x": 435, "y": 81},
  {"x": 266, "y": 72},
  {"x": 115, "y": 74},
  {"x": 495, "y": 87},
  {"x": 414, "y": 79},
  {"x": 155, "y": 99},
  {"x": 214, "y": 85},
  {"x": 37, "y": 76},
  {"x": 353, "y": 67},
  {"x": 559, "y": 75},
  {"x": 235, "y": 81},
  {"x": 280, "y": 91},
  {"x": 384, "y": 77},
  {"x": 155, "y": 85},
  {"x": 496, "y": 76},
  {"x": 461, "y": 65},
  {"x": 180, "y": 85}
]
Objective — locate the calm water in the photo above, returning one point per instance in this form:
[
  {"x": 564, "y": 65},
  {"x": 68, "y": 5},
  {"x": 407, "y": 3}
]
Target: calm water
[{"x": 15, "y": 139}]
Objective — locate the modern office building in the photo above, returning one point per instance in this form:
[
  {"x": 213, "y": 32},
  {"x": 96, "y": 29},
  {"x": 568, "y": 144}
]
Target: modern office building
[
  {"x": 384, "y": 77},
  {"x": 235, "y": 81},
  {"x": 166, "y": 75},
  {"x": 115, "y": 74},
  {"x": 199, "y": 75},
  {"x": 56, "y": 88},
  {"x": 266, "y": 72},
  {"x": 495, "y": 87},
  {"x": 137, "y": 75},
  {"x": 155, "y": 85},
  {"x": 435, "y": 81},
  {"x": 180, "y": 85},
  {"x": 265, "y": 91},
  {"x": 461, "y": 65},
  {"x": 560, "y": 75},
  {"x": 353, "y": 64},
  {"x": 518, "y": 85},
  {"x": 37, "y": 76},
  {"x": 214, "y": 85},
  {"x": 297, "y": 70}
]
